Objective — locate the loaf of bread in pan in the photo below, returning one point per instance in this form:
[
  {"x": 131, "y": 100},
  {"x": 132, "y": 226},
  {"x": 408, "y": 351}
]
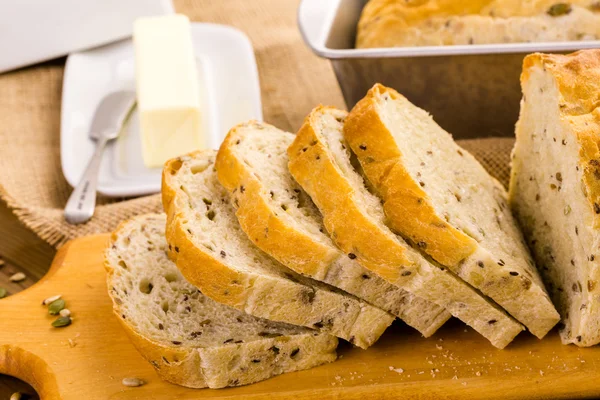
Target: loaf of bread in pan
[
  {"x": 555, "y": 183},
  {"x": 394, "y": 23},
  {"x": 321, "y": 162},
  {"x": 280, "y": 218},
  {"x": 438, "y": 196},
  {"x": 188, "y": 338},
  {"x": 215, "y": 255}
]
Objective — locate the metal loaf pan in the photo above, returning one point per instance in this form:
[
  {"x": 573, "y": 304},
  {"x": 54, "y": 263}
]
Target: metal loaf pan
[{"x": 471, "y": 91}]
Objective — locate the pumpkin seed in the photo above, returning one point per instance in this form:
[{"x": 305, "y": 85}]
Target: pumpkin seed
[
  {"x": 61, "y": 322},
  {"x": 16, "y": 396},
  {"x": 133, "y": 382},
  {"x": 18, "y": 277},
  {"x": 2, "y": 293},
  {"x": 50, "y": 299},
  {"x": 559, "y": 9},
  {"x": 55, "y": 307}
]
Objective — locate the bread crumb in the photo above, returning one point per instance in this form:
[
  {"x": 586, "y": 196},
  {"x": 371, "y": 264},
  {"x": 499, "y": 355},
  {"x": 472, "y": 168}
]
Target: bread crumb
[
  {"x": 541, "y": 372},
  {"x": 464, "y": 383},
  {"x": 429, "y": 362},
  {"x": 398, "y": 370},
  {"x": 439, "y": 347},
  {"x": 420, "y": 372},
  {"x": 478, "y": 373},
  {"x": 454, "y": 378}
]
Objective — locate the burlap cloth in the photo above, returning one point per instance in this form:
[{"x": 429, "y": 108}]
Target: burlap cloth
[{"x": 292, "y": 79}]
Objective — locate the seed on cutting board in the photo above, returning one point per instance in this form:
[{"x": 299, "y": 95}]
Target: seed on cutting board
[
  {"x": 2, "y": 292},
  {"x": 61, "y": 322},
  {"x": 133, "y": 382},
  {"x": 18, "y": 277},
  {"x": 55, "y": 307},
  {"x": 65, "y": 312},
  {"x": 50, "y": 299},
  {"x": 16, "y": 396}
]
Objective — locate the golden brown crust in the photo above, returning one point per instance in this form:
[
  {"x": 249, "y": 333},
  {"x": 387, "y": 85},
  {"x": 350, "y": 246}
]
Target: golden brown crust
[
  {"x": 337, "y": 204},
  {"x": 578, "y": 78},
  {"x": 258, "y": 220},
  {"x": 381, "y": 160},
  {"x": 215, "y": 285},
  {"x": 382, "y": 22}
]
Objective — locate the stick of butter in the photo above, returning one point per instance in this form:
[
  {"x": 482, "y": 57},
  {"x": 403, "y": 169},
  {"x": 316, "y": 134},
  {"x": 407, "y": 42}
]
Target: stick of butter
[{"x": 168, "y": 95}]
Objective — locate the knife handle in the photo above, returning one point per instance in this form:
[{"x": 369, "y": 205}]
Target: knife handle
[{"x": 82, "y": 203}]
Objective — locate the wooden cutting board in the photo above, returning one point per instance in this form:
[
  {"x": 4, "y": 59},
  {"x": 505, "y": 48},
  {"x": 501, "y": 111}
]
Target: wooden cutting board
[{"x": 88, "y": 359}]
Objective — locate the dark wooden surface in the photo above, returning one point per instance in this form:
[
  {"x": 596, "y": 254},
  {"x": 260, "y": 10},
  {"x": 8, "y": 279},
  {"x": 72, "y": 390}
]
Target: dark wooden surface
[{"x": 20, "y": 251}]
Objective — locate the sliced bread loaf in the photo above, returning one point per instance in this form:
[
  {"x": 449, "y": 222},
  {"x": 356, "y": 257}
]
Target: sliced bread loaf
[
  {"x": 555, "y": 183},
  {"x": 188, "y": 338},
  {"x": 439, "y": 197},
  {"x": 321, "y": 162},
  {"x": 280, "y": 218},
  {"x": 215, "y": 255}
]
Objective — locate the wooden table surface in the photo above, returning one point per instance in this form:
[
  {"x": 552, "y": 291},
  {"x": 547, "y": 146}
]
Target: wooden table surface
[{"x": 21, "y": 251}]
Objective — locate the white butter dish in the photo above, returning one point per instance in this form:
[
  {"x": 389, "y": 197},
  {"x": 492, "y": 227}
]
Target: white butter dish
[{"x": 230, "y": 94}]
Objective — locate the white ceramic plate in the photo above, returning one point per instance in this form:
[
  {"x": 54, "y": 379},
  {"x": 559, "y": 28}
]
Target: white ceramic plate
[{"x": 230, "y": 91}]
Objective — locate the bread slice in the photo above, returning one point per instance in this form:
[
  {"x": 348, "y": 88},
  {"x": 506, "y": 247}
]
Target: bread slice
[
  {"x": 214, "y": 254},
  {"x": 555, "y": 186},
  {"x": 321, "y": 162},
  {"x": 391, "y": 23},
  {"x": 188, "y": 338},
  {"x": 280, "y": 218},
  {"x": 437, "y": 195}
]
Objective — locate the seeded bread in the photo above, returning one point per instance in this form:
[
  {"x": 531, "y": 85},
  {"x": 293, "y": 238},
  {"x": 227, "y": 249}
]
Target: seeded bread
[
  {"x": 214, "y": 254},
  {"x": 555, "y": 183},
  {"x": 188, "y": 338},
  {"x": 280, "y": 218},
  {"x": 439, "y": 197},
  {"x": 393, "y": 23},
  {"x": 321, "y": 162}
]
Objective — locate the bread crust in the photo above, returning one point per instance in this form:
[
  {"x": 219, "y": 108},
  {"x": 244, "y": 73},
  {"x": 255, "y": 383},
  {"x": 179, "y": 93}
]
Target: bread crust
[
  {"x": 254, "y": 294},
  {"x": 354, "y": 231},
  {"x": 384, "y": 23},
  {"x": 381, "y": 160},
  {"x": 411, "y": 212},
  {"x": 256, "y": 216},
  {"x": 198, "y": 367}
]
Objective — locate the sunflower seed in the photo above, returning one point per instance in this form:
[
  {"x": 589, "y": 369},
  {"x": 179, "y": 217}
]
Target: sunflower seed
[
  {"x": 133, "y": 382},
  {"x": 18, "y": 277},
  {"x": 50, "y": 299},
  {"x": 65, "y": 312}
]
